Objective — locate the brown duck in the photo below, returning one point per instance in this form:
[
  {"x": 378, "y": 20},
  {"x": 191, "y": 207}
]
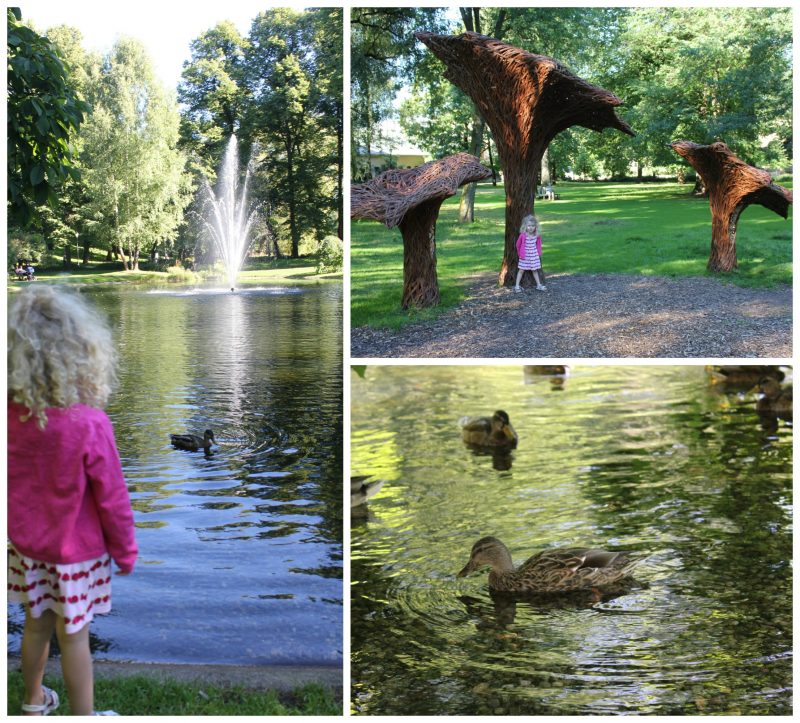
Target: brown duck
[
  {"x": 775, "y": 399},
  {"x": 551, "y": 571},
  {"x": 193, "y": 442},
  {"x": 494, "y": 431}
]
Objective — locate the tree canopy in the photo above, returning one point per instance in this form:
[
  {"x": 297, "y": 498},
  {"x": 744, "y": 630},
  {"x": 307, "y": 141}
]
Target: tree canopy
[
  {"x": 702, "y": 73},
  {"x": 43, "y": 112}
]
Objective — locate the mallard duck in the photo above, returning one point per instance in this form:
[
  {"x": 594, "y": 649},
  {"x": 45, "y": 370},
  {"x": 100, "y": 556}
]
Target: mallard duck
[
  {"x": 361, "y": 489},
  {"x": 193, "y": 442},
  {"x": 556, "y": 370},
  {"x": 560, "y": 570},
  {"x": 742, "y": 375},
  {"x": 494, "y": 431},
  {"x": 775, "y": 399}
]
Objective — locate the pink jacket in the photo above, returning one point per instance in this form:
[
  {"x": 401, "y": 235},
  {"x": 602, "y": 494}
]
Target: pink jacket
[
  {"x": 521, "y": 246},
  {"x": 67, "y": 498}
]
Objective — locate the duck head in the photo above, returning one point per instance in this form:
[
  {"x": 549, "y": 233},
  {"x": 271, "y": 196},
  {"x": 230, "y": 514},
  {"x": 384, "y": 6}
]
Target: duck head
[
  {"x": 501, "y": 424},
  {"x": 488, "y": 551}
]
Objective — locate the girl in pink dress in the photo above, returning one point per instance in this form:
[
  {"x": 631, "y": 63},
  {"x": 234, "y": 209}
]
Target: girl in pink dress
[
  {"x": 529, "y": 250},
  {"x": 69, "y": 513}
]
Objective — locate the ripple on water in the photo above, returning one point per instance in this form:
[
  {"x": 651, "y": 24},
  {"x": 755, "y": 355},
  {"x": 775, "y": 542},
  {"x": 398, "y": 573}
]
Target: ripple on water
[{"x": 639, "y": 458}]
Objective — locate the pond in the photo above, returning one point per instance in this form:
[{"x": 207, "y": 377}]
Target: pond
[
  {"x": 645, "y": 458},
  {"x": 241, "y": 550}
]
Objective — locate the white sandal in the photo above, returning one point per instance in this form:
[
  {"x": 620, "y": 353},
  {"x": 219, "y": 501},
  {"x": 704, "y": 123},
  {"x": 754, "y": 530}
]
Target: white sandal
[
  {"x": 49, "y": 705},
  {"x": 104, "y": 712},
  {"x": 517, "y": 289}
]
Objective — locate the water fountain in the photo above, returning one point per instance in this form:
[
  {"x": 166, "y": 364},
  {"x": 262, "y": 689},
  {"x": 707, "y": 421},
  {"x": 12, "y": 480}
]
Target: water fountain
[{"x": 230, "y": 219}]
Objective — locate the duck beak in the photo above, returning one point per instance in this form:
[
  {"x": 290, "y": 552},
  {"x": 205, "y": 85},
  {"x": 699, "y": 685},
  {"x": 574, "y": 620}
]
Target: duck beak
[
  {"x": 509, "y": 431},
  {"x": 467, "y": 569}
]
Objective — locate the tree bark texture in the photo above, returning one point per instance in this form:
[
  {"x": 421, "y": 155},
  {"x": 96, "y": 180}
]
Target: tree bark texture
[
  {"x": 732, "y": 185},
  {"x": 526, "y": 100},
  {"x": 410, "y": 198},
  {"x": 420, "y": 282}
]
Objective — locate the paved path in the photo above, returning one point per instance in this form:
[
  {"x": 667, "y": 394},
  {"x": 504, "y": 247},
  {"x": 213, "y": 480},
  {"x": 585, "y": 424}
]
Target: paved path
[{"x": 281, "y": 678}]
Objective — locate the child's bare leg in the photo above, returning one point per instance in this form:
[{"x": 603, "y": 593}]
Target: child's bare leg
[
  {"x": 519, "y": 277},
  {"x": 538, "y": 279},
  {"x": 76, "y": 666},
  {"x": 35, "y": 649}
]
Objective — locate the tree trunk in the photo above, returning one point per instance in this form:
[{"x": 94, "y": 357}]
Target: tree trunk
[
  {"x": 491, "y": 163},
  {"x": 340, "y": 174},
  {"x": 420, "y": 283},
  {"x": 545, "y": 175},
  {"x": 723, "y": 241},
  {"x": 86, "y": 249},
  {"x": 67, "y": 255},
  {"x": 290, "y": 182},
  {"x": 466, "y": 209}
]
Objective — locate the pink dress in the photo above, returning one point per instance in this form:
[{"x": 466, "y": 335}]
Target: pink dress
[
  {"x": 528, "y": 251},
  {"x": 69, "y": 513}
]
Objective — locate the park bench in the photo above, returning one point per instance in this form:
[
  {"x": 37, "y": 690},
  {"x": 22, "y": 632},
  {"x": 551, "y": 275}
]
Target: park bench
[{"x": 547, "y": 193}]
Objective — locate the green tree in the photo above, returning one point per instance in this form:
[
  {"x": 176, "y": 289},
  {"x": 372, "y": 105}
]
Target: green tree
[
  {"x": 211, "y": 93},
  {"x": 135, "y": 174},
  {"x": 43, "y": 110},
  {"x": 383, "y": 52}
]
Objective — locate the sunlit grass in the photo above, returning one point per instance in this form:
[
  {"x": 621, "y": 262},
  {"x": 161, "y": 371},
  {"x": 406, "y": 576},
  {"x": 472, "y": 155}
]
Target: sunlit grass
[{"x": 654, "y": 229}]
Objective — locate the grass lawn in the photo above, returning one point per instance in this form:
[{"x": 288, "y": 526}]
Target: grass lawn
[
  {"x": 604, "y": 227},
  {"x": 146, "y": 696}
]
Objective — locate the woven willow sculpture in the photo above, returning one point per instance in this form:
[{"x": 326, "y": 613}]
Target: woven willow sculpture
[
  {"x": 526, "y": 100},
  {"x": 411, "y": 199},
  {"x": 732, "y": 186}
]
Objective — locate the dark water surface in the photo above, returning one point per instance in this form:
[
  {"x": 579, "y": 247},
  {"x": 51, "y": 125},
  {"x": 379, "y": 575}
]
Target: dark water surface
[
  {"x": 240, "y": 552},
  {"x": 640, "y": 458}
]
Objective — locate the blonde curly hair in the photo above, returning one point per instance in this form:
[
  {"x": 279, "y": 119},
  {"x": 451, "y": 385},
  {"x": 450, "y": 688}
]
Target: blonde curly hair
[{"x": 60, "y": 352}]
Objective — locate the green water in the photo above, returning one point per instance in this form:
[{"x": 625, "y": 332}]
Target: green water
[{"x": 646, "y": 458}]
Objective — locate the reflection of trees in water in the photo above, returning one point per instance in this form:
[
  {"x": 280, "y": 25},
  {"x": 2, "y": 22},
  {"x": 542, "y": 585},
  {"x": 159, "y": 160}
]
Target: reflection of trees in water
[
  {"x": 265, "y": 371},
  {"x": 728, "y": 522}
]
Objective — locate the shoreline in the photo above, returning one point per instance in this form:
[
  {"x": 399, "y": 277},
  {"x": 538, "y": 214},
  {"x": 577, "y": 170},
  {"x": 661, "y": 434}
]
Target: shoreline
[{"x": 281, "y": 678}]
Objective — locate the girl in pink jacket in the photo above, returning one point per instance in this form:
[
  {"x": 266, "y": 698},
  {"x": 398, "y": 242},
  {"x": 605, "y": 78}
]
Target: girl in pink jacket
[
  {"x": 68, "y": 508},
  {"x": 529, "y": 250}
]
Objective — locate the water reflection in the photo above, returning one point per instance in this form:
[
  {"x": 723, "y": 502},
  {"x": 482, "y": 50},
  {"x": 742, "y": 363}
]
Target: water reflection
[
  {"x": 643, "y": 458},
  {"x": 240, "y": 550}
]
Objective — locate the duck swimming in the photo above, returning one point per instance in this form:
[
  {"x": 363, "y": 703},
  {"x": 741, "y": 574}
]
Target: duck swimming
[
  {"x": 550, "y": 571},
  {"x": 361, "y": 489},
  {"x": 193, "y": 442},
  {"x": 775, "y": 399},
  {"x": 494, "y": 431}
]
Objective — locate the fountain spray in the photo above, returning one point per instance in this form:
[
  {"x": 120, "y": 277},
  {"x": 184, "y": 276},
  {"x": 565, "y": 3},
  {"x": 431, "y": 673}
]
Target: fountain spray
[{"x": 230, "y": 219}]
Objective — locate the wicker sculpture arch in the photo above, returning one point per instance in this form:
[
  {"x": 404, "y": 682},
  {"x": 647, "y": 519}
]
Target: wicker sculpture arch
[
  {"x": 411, "y": 199},
  {"x": 732, "y": 186},
  {"x": 526, "y": 100}
]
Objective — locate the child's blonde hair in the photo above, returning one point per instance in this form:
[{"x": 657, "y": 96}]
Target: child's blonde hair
[
  {"x": 60, "y": 352},
  {"x": 529, "y": 220}
]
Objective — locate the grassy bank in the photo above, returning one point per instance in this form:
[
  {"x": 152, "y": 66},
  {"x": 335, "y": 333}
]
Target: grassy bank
[
  {"x": 254, "y": 271},
  {"x": 629, "y": 228},
  {"x": 145, "y": 696}
]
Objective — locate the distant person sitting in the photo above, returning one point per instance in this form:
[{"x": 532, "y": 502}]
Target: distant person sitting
[
  {"x": 29, "y": 272},
  {"x": 20, "y": 272}
]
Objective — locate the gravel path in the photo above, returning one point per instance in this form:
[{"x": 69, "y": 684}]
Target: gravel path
[{"x": 598, "y": 315}]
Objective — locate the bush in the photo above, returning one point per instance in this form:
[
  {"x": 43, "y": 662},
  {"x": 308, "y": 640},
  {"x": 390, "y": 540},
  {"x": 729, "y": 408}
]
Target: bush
[
  {"x": 330, "y": 257},
  {"x": 179, "y": 274},
  {"x": 24, "y": 245}
]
